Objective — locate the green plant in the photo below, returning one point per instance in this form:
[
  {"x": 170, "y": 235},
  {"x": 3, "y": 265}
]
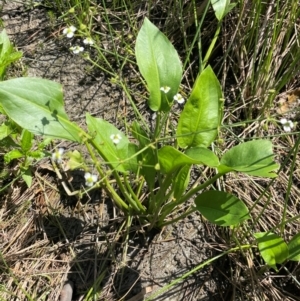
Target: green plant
[
  {"x": 21, "y": 148},
  {"x": 153, "y": 161},
  {"x": 8, "y": 55},
  {"x": 15, "y": 142},
  {"x": 151, "y": 168}
]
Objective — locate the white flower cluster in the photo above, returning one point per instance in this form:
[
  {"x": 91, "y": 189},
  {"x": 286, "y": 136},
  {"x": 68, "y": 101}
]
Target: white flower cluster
[
  {"x": 90, "y": 179},
  {"x": 69, "y": 32},
  {"x": 178, "y": 97},
  {"x": 287, "y": 124}
]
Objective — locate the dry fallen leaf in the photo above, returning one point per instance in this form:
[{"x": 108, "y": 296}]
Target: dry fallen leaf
[{"x": 289, "y": 101}]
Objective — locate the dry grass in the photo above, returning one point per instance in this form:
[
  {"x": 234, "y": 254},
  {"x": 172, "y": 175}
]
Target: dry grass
[
  {"x": 29, "y": 261},
  {"x": 45, "y": 243}
]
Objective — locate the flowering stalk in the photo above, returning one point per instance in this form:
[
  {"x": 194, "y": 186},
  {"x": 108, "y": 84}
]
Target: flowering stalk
[
  {"x": 109, "y": 188},
  {"x": 129, "y": 195}
]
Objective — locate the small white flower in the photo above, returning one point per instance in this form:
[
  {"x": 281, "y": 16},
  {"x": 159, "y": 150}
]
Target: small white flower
[
  {"x": 90, "y": 179},
  {"x": 154, "y": 115},
  {"x": 165, "y": 89},
  {"x": 178, "y": 97},
  {"x": 76, "y": 49},
  {"x": 116, "y": 138},
  {"x": 88, "y": 41},
  {"x": 287, "y": 124},
  {"x": 69, "y": 31},
  {"x": 57, "y": 155}
]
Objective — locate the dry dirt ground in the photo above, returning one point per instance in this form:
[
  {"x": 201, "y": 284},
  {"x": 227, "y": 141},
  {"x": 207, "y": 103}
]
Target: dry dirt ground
[{"x": 61, "y": 239}]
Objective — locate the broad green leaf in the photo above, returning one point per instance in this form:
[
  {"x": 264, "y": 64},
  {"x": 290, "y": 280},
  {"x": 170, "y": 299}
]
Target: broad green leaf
[
  {"x": 159, "y": 64},
  {"x": 13, "y": 57},
  {"x": 44, "y": 143},
  {"x": 132, "y": 160},
  {"x": 272, "y": 248},
  {"x": 114, "y": 154},
  {"x": 148, "y": 164},
  {"x": 147, "y": 158},
  {"x": 200, "y": 118},
  {"x": 181, "y": 181},
  {"x": 37, "y": 106},
  {"x": 4, "y": 131},
  {"x": 254, "y": 158},
  {"x": 294, "y": 248},
  {"x": 26, "y": 141},
  {"x": 38, "y": 154},
  {"x": 222, "y": 8},
  {"x": 27, "y": 176},
  {"x": 170, "y": 159},
  {"x": 204, "y": 155},
  {"x": 221, "y": 208},
  {"x": 14, "y": 154},
  {"x": 5, "y": 45},
  {"x": 7, "y": 53}
]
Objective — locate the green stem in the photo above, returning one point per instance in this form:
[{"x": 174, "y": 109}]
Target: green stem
[
  {"x": 134, "y": 199},
  {"x": 160, "y": 197},
  {"x": 211, "y": 46},
  {"x": 109, "y": 188},
  {"x": 157, "y": 126},
  {"x": 200, "y": 187},
  {"x": 140, "y": 186},
  {"x": 99, "y": 66}
]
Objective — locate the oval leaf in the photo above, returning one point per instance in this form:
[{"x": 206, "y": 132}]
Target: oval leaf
[
  {"x": 159, "y": 64},
  {"x": 131, "y": 164},
  {"x": 26, "y": 141},
  {"x": 200, "y": 118},
  {"x": 254, "y": 158},
  {"x": 147, "y": 157},
  {"x": 272, "y": 248},
  {"x": 181, "y": 181},
  {"x": 170, "y": 158},
  {"x": 114, "y": 154},
  {"x": 204, "y": 155},
  {"x": 13, "y": 154},
  {"x": 37, "y": 106},
  {"x": 221, "y": 208}
]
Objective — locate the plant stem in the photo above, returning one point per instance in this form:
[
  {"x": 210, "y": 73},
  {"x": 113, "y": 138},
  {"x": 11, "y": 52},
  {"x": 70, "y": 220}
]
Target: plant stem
[
  {"x": 135, "y": 201},
  {"x": 200, "y": 187},
  {"x": 211, "y": 46},
  {"x": 109, "y": 188}
]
